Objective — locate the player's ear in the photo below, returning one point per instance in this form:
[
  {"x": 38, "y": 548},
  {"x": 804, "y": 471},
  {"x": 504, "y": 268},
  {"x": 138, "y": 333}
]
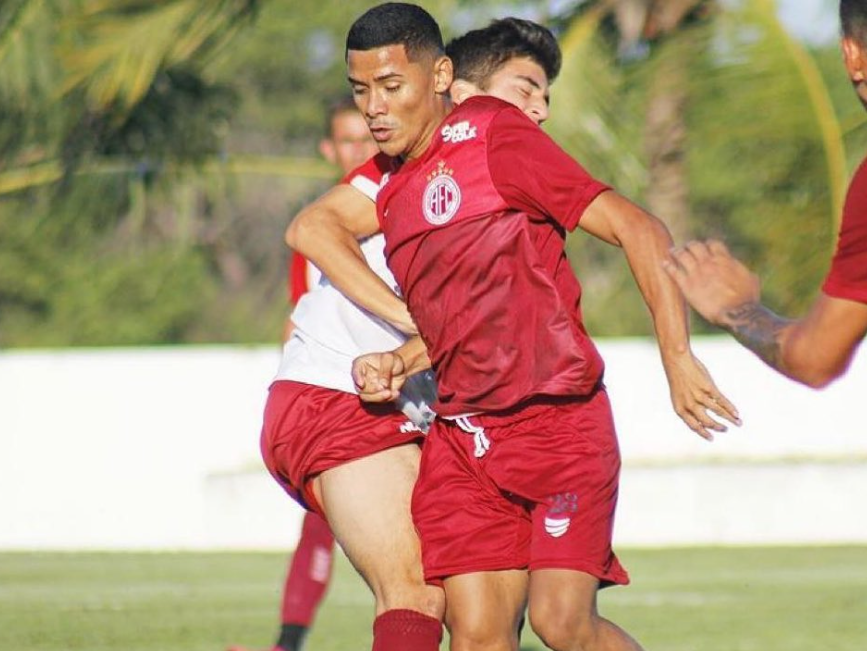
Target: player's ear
[
  {"x": 854, "y": 59},
  {"x": 461, "y": 90},
  {"x": 328, "y": 151},
  {"x": 443, "y": 74}
]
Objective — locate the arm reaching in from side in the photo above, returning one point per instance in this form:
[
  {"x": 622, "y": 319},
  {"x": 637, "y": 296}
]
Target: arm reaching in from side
[
  {"x": 380, "y": 376},
  {"x": 814, "y": 350},
  {"x": 646, "y": 243},
  {"x": 327, "y": 231}
]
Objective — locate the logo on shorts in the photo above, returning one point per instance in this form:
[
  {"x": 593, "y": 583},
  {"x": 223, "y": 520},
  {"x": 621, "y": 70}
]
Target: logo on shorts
[
  {"x": 561, "y": 508},
  {"x": 409, "y": 426},
  {"x": 442, "y": 196}
]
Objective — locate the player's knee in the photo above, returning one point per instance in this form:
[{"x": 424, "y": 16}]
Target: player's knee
[
  {"x": 474, "y": 629},
  {"x": 479, "y": 635},
  {"x": 562, "y": 628}
]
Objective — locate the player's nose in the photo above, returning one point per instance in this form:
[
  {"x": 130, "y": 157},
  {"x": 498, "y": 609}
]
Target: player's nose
[
  {"x": 376, "y": 105},
  {"x": 540, "y": 111}
]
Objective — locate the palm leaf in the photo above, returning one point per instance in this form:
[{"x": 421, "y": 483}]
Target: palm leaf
[
  {"x": 764, "y": 151},
  {"x": 115, "y": 49}
]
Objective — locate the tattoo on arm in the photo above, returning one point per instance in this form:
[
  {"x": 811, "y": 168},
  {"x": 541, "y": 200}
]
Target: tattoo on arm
[{"x": 757, "y": 328}]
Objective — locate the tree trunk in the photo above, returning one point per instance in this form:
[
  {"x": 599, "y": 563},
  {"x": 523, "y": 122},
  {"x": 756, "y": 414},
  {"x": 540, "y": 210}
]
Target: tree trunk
[{"x": 665, "y": 148}]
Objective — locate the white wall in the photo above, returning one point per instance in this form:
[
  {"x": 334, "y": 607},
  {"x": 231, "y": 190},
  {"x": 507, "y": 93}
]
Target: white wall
[{"x": 158, "y": 449}]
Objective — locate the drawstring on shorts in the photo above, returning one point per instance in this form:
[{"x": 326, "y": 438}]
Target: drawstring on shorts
[{"x": 479, "y": 436}]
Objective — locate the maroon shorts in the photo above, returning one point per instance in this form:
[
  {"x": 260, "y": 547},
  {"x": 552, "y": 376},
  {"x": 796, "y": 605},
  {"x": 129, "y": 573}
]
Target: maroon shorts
[
  {"x": 309, "y": 429},
  {"x": 532, "y": 488}
]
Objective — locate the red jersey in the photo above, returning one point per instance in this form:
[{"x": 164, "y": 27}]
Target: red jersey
[
  {"x": 475, "y": 232},
  {"x": 848, "y": 275},
  {"x": 298, "y": 282}
]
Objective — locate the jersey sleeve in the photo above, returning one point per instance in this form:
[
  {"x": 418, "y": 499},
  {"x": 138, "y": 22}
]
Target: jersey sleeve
[
  {"x": 298, "y": 285},
  {"x": 532, "y": 173},
  {"x": 848, "y": 275},
  {"x": 367, "y": 178}
]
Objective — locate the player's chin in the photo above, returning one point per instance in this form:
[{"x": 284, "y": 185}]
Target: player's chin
[{"x": 391, "y": 147}]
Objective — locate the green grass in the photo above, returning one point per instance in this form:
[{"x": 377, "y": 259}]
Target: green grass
[{"x": 708, "y": 599}]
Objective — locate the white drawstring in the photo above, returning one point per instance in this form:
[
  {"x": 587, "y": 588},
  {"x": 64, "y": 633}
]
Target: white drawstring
[{"x": 478, "y": 432}]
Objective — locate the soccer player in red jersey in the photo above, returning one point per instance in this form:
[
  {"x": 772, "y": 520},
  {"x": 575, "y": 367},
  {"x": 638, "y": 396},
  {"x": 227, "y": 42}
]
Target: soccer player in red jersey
[
  {"x": 818, "y": 347},
  {"x": 330, "y": 458},
  {"x": 347, "y": 145},
  {"x": 522, "y": 473}
]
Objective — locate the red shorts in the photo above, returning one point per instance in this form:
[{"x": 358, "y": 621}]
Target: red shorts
[
  {"x": 542, "y": 496},
  {"x": 309, "y": 429}
]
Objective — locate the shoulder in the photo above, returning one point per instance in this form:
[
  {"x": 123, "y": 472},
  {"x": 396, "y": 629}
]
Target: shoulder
[
  {"x": 477, "y": 117},
  {"x": 483, "y": 105},
  {"x": 368, "y": 177}
]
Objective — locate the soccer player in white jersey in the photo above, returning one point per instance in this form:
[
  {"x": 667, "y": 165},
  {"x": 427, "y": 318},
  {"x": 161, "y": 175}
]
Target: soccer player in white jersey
[
  {"x": 356, "y": 464},
  {"x": 346, "y": 145}
]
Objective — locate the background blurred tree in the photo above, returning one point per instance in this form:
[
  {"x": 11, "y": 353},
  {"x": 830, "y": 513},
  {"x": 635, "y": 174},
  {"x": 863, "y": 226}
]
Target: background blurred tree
[
  {"x": 715, "y": 118},
  {"x": 151, "y": 152},
  {"x": 104, "y": 99}
]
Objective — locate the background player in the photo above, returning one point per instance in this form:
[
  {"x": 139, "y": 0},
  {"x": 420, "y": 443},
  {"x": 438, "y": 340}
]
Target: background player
[
  {"x": 818, "y": 347},
  {"x": 360, "y": 488},
  {"x": 347, "y": 145},
  {"x": 483, "y": 349}
]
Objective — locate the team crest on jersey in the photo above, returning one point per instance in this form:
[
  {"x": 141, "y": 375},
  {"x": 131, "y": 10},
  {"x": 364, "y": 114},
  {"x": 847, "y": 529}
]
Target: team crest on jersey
[
  {"x": 459, "y": 132},
  {"x": 561, "y": 508},
  {"x": 442, "y": 196}
]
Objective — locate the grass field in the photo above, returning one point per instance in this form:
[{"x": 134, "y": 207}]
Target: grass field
[{"x": 742, "y": 599}]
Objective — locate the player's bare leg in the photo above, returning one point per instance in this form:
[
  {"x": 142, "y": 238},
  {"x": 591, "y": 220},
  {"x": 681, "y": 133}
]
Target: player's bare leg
[
  {"x": 563, "y": 614},
  {"x": 367, "y": 502},
  {"x": 484, "y": 610}
]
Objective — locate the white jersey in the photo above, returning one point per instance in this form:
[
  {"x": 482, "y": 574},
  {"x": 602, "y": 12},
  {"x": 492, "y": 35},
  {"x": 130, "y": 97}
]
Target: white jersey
[{"x": 330, "y": 330}]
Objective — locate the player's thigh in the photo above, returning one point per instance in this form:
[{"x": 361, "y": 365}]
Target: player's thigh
[
  {"x": 367, "y": 502},
  {"x": 484, "y": 609}
]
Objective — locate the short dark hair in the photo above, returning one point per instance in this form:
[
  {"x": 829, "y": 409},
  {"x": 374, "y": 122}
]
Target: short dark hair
[
  {"x": 396, "y": 23},
  {"x": 853, "y": 19},
  {"x": 480, "y": 53},
  {"x": 339, "y": 106}
]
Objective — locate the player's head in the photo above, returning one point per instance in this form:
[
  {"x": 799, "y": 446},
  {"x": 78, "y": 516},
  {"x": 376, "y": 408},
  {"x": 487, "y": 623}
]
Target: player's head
[
  {"x": 347, "y": 143},
  {"x": 853, "y": 20},
  {"x": 513, "y": 59},
  {"x": 399, "y": 75}
]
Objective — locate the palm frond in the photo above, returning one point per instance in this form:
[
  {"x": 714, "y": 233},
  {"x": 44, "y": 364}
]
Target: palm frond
[
  {"x": 591, "y": 124},
  {"x": 114, "y": 50}
]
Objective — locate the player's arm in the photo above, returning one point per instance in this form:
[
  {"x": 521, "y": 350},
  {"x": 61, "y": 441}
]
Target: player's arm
[
  {"x": 646, "y": 243},
  {"x": 550, "y": 183},
  {"x": 327, "y": 231},
  {"x": 379, "y": 376},
  {"x": 813, "y": 350}
]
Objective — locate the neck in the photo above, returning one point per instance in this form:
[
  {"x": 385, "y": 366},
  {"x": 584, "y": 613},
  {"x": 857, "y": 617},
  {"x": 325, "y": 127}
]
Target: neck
[{"x": 444, "y": 107}]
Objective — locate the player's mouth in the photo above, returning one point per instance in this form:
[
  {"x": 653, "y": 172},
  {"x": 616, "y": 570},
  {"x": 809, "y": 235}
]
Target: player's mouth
[{"x": 381, "y": 134}]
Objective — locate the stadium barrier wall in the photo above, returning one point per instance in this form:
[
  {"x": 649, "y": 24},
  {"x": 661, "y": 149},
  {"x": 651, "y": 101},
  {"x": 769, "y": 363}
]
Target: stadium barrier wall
[{"x": 158, "y": 449}]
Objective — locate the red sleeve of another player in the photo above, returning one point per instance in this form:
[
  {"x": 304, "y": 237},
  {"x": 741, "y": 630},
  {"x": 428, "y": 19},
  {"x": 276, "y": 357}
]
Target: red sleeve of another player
[
  {"x": 532, "y": 173},
  {"x": 848, "y": 276},
  {"x": 297, "y": 277},
  {"x": 367, "y": 178}
]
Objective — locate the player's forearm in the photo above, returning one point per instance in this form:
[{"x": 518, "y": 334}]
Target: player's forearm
[
  {"x": 813, "y": 350},
  {"x": 646, "y": 245},
  {"x": 337, "y": 253},
  {"x": 414, "y": 354},
  {"x": 758, "y": 329}
]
